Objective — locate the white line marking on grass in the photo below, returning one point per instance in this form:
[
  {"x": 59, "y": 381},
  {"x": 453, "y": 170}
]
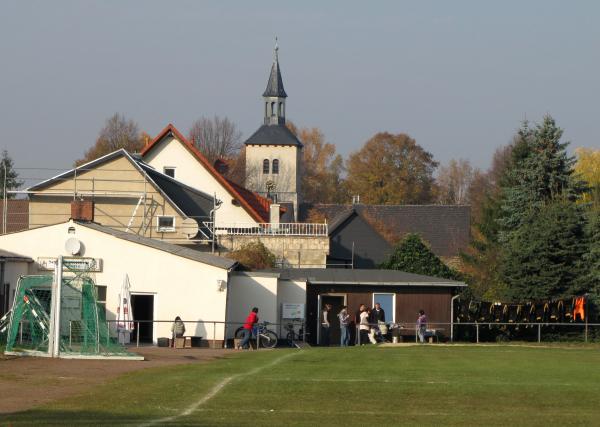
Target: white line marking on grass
[{"x": 215, "y": 390}]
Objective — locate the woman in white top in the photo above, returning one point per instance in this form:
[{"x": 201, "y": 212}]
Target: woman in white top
[{"x": 364, "y": 326}]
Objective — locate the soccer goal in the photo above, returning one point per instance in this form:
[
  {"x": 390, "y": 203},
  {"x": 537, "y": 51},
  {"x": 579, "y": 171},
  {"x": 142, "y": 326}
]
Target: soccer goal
[{"x": 59, "y": 316}]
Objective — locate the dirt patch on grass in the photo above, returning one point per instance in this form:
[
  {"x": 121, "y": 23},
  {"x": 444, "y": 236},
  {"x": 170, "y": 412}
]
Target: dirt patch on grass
[{"x": 26, "y": 382}]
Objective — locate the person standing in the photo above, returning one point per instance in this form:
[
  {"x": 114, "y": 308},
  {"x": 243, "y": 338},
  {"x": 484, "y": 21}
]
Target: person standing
[
  {"x": 378, "y": 314},
  {"x": 344, "y": 326},
  {"x": 364, "y": 325},
  {"x": 421, "y": 325},
  {"x": 325, "y": 324},
  {"x": 251, "y": 320}
]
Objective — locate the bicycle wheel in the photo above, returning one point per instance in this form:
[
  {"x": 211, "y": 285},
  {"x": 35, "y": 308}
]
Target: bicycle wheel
[
  {"x": 268, "y": 339},
  {"x": 238, "y": 332},
  {"x": 291, "y": 337}
]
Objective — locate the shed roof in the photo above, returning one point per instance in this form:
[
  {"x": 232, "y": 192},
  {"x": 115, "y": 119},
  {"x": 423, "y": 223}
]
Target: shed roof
[
  {"x": 206, "y": 258},
  {"x": 362, "y": 277},
  {"x": 11, "y": 256}
]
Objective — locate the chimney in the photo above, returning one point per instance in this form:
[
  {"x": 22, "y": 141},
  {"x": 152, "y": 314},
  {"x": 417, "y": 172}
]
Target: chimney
[
  {"x": 274, "y": 213},
  {"x": 82, "y": 210}
]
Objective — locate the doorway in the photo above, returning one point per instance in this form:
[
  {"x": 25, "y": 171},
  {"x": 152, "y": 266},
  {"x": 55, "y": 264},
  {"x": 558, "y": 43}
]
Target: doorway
[
  {"x": 336, "y": 301},
  {"x": 143, "y": 309}
]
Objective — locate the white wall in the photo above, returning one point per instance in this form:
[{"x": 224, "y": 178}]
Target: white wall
[
  {"x": 12, "y": 271},
  {"x": 247, "y": 290},
  {"x": 181, "y": 287},
  {"x": 170, "y": 152}
]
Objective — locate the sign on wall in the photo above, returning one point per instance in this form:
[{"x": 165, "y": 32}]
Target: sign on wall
[
  {"x": 74, "y": 263},
  {"x": 292, "y": 311}
]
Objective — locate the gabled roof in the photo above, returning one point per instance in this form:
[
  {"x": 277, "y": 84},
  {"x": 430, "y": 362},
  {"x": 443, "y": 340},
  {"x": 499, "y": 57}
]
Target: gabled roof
[
  {"x": 181, "y": 251},
  {"x": 273, "y": 135},
  {"x": 445, "y": 227},
  {"x": 248, "y": 199},
  {"x": 186, "y": 200}
]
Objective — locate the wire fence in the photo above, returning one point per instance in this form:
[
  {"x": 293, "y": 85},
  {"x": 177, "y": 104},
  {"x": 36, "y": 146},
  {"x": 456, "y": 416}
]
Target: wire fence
[
  {"x": 474, "y": 332},
  {"x": 202, "y": 333}
]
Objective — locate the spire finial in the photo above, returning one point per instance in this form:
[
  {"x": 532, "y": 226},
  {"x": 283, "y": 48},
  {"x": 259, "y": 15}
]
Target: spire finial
[{"x": 276, "y": 51}]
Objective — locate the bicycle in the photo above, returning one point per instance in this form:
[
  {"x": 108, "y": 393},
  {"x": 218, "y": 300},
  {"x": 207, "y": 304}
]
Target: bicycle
[{"x": 266, "y": 337}]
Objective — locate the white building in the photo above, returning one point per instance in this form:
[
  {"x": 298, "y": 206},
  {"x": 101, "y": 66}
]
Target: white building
[{"x": 166, "y": 280}]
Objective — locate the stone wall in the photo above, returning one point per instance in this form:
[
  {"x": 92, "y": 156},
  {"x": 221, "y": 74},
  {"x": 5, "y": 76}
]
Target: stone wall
[{"x": 291, "y": 251}]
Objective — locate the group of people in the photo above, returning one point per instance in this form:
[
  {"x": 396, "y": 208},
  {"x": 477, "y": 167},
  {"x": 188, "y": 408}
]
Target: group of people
[{"x": 371, "y": 324}]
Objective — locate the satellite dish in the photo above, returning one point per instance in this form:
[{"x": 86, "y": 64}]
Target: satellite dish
[
  {"x": 73, "y": 246},
  {"x": 189, "y": 226}
]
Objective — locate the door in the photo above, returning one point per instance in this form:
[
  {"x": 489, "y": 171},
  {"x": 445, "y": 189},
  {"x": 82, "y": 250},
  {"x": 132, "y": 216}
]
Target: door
[
  {"x": 336, "y": 301},
  {"x": 143, "y": 309}
]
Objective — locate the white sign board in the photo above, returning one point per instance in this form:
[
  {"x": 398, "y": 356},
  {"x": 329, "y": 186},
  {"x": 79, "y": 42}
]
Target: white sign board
[
  {"x": 292, "y": 311},
  {"x": 74, "y": 263}
]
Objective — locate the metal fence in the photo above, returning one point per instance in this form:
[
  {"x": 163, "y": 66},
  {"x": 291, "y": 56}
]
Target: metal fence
[
  {"x": 268, "y": 229},
  {"x": 216, "y": 334},
  {"x": 499, "y": 332}
]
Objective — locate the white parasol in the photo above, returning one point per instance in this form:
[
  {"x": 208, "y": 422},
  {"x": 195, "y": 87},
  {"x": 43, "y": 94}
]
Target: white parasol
[{"x": 124, "y": 315}]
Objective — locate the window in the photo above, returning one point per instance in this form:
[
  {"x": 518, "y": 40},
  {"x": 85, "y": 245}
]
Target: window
[
  {"x": 165, "y": 223},
  {"x": 272, "y": 108},
  {"x": 281, "y": 108},
  {"x": 388, "y": 303},
  {"x": 169, "y": 170},
  {"x": 266, "y": 166},
  {"x": 275, "y": 166}
]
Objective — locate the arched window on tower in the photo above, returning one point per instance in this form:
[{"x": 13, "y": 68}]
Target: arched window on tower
[
  {"x": 273, "y": 108},
  {"x": 266, "y": 109},
  {"x": 275, "y": 166},
  {"x": 266, "y": 166},
  {"x": 281, "y": 109}
]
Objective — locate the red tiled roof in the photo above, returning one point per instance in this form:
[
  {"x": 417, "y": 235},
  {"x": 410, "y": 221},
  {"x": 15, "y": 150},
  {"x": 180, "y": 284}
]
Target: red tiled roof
[
  {"x": 17, "y": 215},
  {"x": 257, "y": 206}
]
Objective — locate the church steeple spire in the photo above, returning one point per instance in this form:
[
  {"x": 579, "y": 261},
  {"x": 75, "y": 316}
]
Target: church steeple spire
[{"x": 274, "y": 95}]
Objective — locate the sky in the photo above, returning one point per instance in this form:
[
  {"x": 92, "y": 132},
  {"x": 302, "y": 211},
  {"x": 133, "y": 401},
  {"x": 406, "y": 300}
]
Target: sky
[{"x": 458, "y": 77}]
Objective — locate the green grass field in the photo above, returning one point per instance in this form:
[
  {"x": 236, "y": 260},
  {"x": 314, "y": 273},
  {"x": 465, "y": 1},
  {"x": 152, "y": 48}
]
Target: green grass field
[{"x": 420, "y": 385}]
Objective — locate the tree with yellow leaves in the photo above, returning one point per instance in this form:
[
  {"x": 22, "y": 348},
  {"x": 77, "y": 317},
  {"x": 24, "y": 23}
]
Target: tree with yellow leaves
[{"x": 588, "y": 169}]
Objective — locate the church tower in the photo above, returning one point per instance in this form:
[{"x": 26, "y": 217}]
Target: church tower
[{"x": 273, "y": 153}]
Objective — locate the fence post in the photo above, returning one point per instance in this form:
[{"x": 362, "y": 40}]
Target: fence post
[
  {"x": 257, "y": 338},
  {"x": 21, "y": 332},
  {"x": 358, "y": 334},
  {"x": 539, "y": 332},
  {"x": 107, "y": 334},
  {"x": 586, "y": 329},
  {"x": 214, "y": 344},
  {"x": 477, "y": 332},
  {"x": 137, "y": 334},
  {"x": 70, "y": 335}
]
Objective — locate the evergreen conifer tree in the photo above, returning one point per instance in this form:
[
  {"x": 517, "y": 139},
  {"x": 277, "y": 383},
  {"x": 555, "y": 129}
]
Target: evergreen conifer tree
[
  {"x": 11, "y": 176},
  {"x": 413, "y": 256}
]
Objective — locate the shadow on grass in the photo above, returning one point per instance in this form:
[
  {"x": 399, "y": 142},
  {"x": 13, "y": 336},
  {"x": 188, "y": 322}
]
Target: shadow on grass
[{"x": 75, "y": 418}]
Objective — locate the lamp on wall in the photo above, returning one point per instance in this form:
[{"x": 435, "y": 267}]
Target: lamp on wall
[{"x": 221, "y": 285}]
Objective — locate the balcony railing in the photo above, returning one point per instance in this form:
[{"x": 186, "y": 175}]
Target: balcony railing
[{"x": 268, "y": 229}]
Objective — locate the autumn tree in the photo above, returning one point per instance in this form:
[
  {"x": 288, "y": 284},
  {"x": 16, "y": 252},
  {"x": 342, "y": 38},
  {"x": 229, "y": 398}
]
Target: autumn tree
[
  {"x": 454, "y": 182},
  {"x": 216, "y": 138},
  {"x": 391, "y": 169},
  {"x": 118, "y": 132},
  {"x": 322, "y": 167},
  {"x": 253, "y": 256},
  {"x": 587, "y": 168},
  {"x": 8, "y": 176}
]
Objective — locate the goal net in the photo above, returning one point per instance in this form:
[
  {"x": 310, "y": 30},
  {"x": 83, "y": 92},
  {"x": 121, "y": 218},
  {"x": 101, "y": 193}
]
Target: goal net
[{"x": 65, "y": 321}]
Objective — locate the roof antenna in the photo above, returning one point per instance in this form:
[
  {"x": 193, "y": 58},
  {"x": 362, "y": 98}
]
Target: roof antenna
[{"x": 276, "y": 51}]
